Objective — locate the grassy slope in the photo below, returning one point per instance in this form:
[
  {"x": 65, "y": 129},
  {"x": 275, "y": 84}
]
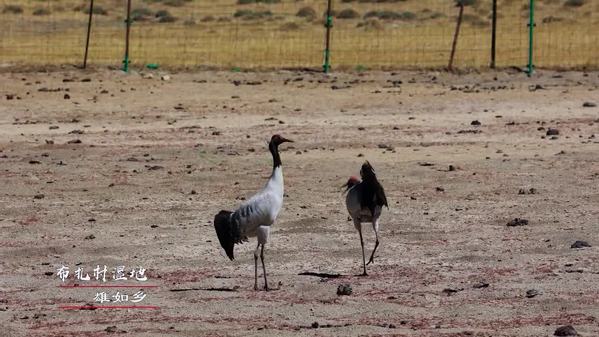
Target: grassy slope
[{"x": 282, "y": 39}]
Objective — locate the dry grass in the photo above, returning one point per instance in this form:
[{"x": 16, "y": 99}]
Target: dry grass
[{"x": 418, "y": 36}]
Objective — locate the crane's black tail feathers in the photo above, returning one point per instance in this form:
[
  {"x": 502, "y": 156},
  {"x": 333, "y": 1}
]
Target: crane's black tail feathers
[{"x": 224, "y": 231}]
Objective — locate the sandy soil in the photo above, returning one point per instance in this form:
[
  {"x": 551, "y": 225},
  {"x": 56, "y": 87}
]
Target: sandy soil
[{"x": 157, "y": 159}]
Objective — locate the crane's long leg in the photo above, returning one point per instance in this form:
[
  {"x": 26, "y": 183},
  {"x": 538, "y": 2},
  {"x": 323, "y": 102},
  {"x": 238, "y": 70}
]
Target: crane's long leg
[
  {"x": 359, "y": 227},
  {"x": 263, "y": 268},
  {"x": 256, "y": 267},
  {"x": 375, "y": 225}
]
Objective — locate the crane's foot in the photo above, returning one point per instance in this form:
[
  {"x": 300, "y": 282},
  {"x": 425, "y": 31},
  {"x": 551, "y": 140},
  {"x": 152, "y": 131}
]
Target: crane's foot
[
  {"x": 266, "y": 287},
  {"x": 370, "y": 261},
  {"x": 363, "y": 274},
  {"x": 255, "y": 287}
]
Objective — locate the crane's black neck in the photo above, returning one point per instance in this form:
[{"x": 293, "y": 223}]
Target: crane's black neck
[{"x": 274, "y": 150}]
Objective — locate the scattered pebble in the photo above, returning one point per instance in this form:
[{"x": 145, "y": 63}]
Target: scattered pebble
[
  {"x": 552, "y": 132},
  {"x": 532, "y": 293},
  {"x": 580, "y": 244},
  {"x": 566, "y": 330},
  {"x": 344, "y": 289},
  {"x": 517, "y": 222}
]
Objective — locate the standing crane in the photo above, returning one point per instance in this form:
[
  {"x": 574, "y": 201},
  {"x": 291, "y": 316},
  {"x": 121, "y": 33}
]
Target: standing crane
[
  {"x": 255, "y": 216},
  {"x": 365, "y": 200}
]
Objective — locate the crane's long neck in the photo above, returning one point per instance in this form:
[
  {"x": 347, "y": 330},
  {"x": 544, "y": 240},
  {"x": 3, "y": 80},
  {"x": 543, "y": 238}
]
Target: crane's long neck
[
  {"x": 276, "y": 159},
  {"x": 276, "y": 178}
]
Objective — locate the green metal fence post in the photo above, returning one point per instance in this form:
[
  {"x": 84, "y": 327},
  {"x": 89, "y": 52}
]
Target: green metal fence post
[
  {"x": 128, "y": 24},
  {"x": 531, "y": 27},
  {"x": 327, "y": 52}
]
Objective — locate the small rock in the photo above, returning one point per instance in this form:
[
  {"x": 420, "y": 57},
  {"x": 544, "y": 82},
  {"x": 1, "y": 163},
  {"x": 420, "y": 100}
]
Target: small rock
[
  {"x": 480, "y": 285},
  {"x": 67, "y": 96},
  {"x": 451, "y": 291},
  {"x": 90, "y": 237},
  {"x": 475, "y": 123},
  {"x": 552, "y": 132},
  {"x": 165, "y": 78},
  {"x": 580, "y": 244},
  {"x": 315, "y": 325},
  {"x": 110, "y": 329},
  {"x": 451, "y": 168},
  {"x": 517, "y": 222},
  {"x": 344, "y": 289},
  {"x": 566, "y": 330},
  {"x": 193, "y": 192},
  {"x": 74, "y": 141},
  {"x": 589, "y": 105},
  {"x": 39, "y": 196},
  {"x": 532, "y": 293}
]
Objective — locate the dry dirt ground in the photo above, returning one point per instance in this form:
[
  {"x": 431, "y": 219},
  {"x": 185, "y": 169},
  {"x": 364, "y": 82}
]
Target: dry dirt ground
[{"x": 158, "y": 159}]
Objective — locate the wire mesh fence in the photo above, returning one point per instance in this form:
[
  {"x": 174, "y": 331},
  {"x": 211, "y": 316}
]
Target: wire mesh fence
[{"x": 367, "y": 34}]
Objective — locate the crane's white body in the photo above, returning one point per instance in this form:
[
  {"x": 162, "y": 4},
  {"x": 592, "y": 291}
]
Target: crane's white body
[{"x": 256, "y": 216}]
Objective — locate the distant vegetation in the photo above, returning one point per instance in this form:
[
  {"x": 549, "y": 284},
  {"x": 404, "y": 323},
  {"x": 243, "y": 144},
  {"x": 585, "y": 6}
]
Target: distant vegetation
[
  {"x": 246, "y": 2},
  {"x": 348, "y": 13},
  {"x": 390, "y": 15},
  {"x": 248, "y": 14},
  {"x": 41, "y": 11},
  {"x": 306, "y": 12},
  {"x": 12, "y": 9},
  {"x": 574, "y": 3}
]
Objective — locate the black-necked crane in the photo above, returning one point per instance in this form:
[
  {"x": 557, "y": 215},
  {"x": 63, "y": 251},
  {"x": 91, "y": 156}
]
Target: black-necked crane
[
  {"x": 255, "y": 216},
  {"x": 365, "y": 200}
]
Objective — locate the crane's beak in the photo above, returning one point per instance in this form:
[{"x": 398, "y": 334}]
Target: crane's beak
[
  {"x": 283, "y": 140},
  {"x": 346, "y": 186}
]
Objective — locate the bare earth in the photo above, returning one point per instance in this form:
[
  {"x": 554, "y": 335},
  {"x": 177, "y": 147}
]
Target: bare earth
[{"x": 158, "y": 159}]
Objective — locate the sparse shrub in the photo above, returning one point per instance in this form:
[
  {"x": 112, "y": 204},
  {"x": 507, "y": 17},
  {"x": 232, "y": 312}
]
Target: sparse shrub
[
  {"x": 474, "y": 20},
  {"x": 98, "y": 10},
  {"x": 174, "y": 3},
  {"x": 574, "y": 3},
  {"x": 189, "y": 22},
  {"x": 375, "y": 1},
  {"x": 141, "y": 14},
  {"x": 289, "y": 26},
  {"x": 41, "y": 11},
  {"x": 348, "y": 13},
  {"x": 306, "y": 12},
  {"x": 390, "y": 15},
  {"x": 245, "y": 2},
  {"x": 465, "y": 2},
  {"x": 551, "y": 19},
  {"x": 165, "y": 16},
  {"x": 371, "y": 24},
  {"x": 408, "y": 16},
  {"x": 248, "y": 14},
  {"x": 208, "y": 18},
  {"x": 12, "y": 9}
]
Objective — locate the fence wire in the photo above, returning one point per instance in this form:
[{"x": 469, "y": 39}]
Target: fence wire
[{"x": 368, "y": 34}]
